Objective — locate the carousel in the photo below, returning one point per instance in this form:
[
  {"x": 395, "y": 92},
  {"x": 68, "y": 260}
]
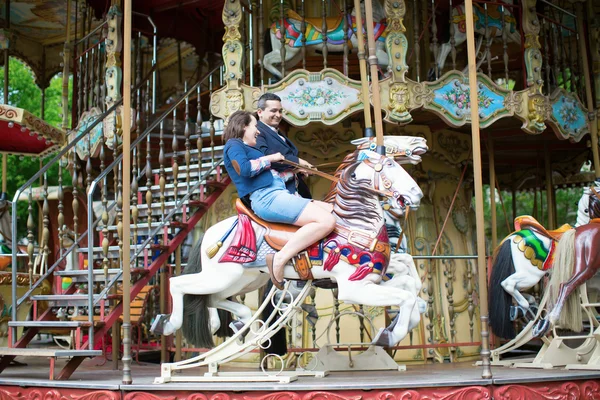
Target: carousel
[{"x": 146, "y": 277}]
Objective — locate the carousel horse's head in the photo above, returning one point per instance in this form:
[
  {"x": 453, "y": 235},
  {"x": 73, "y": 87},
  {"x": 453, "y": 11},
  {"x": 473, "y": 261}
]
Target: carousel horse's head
[
  {"x": 390, "y": 179},
  {"x": 403, "y": 149},
  {"x": 589, "y": 204}
]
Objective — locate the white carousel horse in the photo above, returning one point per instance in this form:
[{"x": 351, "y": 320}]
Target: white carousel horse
[
  {"x": 402, "y": 271},
  {"x": 314, "y": 38},
  {"x": 357, "y": 206},
  {"x": 520, "y": 262},
  {"x": 495, "y": 27}
]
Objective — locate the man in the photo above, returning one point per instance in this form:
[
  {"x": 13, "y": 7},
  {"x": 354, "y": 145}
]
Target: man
[{"x": 271, "y": 140}]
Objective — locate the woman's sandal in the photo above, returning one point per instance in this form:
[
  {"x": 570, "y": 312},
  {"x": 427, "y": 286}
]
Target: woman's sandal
[{"x": 276, "y": 283}]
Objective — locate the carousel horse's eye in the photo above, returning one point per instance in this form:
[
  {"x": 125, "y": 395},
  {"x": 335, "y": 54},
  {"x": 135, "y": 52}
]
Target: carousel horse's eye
[{"x": 353, "y": 175}]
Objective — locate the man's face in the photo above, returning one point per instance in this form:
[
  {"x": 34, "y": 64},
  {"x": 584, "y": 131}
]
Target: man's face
[{"x": 271, "y": 115}]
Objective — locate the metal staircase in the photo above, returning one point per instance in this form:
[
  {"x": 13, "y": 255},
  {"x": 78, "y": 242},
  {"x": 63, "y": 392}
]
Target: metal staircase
[{"x": 172, "y": 187}]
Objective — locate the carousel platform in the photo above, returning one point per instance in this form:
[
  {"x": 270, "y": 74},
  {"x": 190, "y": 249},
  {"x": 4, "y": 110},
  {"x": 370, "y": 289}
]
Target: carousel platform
[{"x": 432, "y": 381}]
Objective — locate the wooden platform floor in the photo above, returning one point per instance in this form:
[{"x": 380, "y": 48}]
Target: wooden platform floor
[{"x": 90, "y": 376}]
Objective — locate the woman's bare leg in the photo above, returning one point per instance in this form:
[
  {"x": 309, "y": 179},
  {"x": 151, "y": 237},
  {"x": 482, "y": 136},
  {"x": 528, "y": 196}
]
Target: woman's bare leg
[{"x": 316, "y": 222}]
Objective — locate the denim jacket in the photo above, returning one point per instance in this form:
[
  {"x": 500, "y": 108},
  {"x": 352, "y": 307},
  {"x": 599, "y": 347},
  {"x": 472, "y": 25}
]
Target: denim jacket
[{"x": 245, "y": 179}]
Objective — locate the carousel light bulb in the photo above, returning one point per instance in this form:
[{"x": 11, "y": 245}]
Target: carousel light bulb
[
  {"x": 11, "y": 124},
  {"x": 23, "y": 129},
  {"x": 31, "y": 133},
  {"x": 40, "y": 138}
]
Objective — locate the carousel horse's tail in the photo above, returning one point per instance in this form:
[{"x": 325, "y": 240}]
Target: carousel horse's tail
[
  {"x": 196, "y": 320},
  {"x": 499, "y": 300},
  {"x": 564, "y": 261}
]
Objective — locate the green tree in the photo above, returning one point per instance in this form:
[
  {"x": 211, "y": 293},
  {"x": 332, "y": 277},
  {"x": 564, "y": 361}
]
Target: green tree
[{"x": 24, "y": 93}]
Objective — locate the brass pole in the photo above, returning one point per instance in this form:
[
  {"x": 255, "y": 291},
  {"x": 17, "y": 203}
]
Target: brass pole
[
  {"x": 178, "y": 336},
  {"x": 549, "y": 188},
  {"x": 126, "y": 192},
  {"x": 476, "y": 144},
  {"x": 492, "y": 168},
  {"x": 362, "y": 62},
  {"x": 374, "y": 77},
  {"x": 588, "y": 89}
]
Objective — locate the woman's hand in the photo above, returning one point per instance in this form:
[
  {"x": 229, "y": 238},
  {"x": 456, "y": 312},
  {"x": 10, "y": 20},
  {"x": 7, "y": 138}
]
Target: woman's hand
[{"x": 276, "y": 157}]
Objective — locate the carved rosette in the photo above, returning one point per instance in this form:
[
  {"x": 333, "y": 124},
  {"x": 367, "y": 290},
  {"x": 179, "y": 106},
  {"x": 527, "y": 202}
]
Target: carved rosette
[{"x": 533, "y": 55}]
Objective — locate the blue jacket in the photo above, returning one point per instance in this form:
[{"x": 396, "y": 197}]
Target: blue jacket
[
  {"x": 269, "y": 142},
  {"x": 236, "y": 150}
]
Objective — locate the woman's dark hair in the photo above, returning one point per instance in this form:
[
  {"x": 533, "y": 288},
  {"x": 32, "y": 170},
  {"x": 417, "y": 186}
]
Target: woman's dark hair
[{"x": 238, "y": 121}]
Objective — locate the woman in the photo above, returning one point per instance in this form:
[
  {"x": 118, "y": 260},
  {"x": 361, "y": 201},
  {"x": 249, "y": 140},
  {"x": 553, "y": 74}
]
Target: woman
[{"x": 250, "y": 170}]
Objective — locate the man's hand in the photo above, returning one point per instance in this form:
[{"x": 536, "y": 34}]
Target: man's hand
[{"x": 304, "y": 163}]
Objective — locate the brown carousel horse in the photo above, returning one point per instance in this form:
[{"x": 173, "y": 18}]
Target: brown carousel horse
[{"x": 577, "y": 260}]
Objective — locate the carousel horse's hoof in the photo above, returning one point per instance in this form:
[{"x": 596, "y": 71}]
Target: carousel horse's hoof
[
  {"x": 236, "y": 326},
  {"x": 517, "y": 312},
  {"x": 540, "y": 329},
  {"x": 276, "y": 283},
  {"x": 158, "y": 325},
  {"x": 382, "y": 338}
]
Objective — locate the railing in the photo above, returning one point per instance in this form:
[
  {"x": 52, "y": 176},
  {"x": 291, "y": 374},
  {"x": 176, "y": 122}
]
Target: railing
[
  {"x": 116, "y": 167},
  {"x": 85, "y": 135}
]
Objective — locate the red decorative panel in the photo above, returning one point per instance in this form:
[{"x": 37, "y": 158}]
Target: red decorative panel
[
  {"x": 19, "y": 393},
  {"x": 574, "y": 390}
]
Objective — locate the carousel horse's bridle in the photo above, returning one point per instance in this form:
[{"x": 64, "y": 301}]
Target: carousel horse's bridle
[{"x": 380, "y": 175}]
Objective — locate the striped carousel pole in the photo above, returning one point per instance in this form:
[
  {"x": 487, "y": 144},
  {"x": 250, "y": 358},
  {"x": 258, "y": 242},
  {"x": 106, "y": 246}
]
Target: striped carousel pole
[
  {"x": 374, "y": 78},
  {"x": 476, "y": 145},
  {"x": 364, "y": 78}
]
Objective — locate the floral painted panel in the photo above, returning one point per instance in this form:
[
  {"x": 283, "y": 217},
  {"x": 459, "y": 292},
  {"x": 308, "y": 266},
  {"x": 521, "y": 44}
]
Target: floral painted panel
[
  {"x": 454, "y": 98},
  {"x": 325, "y": 98},
  {"x": 570, "y": 117}
]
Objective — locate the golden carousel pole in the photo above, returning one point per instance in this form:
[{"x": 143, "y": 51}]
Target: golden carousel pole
[
  {"x": 126, "y": 192},
  {"x": 364, "y": 78},
  {"x": 4, "y": 155},
  {"x": 374, "y": 78},
  {"x": 476, "y": 145}
]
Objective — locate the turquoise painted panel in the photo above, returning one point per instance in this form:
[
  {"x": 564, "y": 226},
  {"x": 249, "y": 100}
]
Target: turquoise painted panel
[
  {"x": 454, "y": 98},
  {"x": 569, "y": 116}
]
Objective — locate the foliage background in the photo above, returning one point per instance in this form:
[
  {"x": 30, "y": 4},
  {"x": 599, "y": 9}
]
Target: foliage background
[{"x": 24, "y": 93}]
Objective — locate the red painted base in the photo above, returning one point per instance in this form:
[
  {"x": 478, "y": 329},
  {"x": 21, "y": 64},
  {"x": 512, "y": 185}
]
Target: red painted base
[{"x": 571, "y": 390}]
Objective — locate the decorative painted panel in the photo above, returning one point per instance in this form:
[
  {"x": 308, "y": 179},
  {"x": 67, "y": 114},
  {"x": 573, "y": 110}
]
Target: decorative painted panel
[
  {"x": 326, "y": 96},
  {"x": 568, "y": 117},
  {"x": 451, "y": 99}
]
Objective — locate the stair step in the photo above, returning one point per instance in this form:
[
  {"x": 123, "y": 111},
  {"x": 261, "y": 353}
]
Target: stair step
[
  {"x": 70, "y": 299},
  {"x": 49, "y": 324},
  {"x": 25, "y": 352},
  {"x": 81, "y": 275},
  {"x": 170, "y": 186},
  {"x": 142, "y": 230}
]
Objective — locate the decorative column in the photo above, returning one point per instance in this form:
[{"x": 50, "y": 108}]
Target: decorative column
[
  {"x": 114, "y": 73},
  {"x": 397, "y": 45},
  {"x": 235, "y": 95},
  {"x": 536, "y": 103}
]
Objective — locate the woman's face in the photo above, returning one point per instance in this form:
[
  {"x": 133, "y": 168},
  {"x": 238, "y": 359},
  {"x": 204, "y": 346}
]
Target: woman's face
[{"x": 250, "y": 133}]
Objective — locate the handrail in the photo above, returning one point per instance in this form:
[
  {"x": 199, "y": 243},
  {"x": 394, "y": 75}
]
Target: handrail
[
  {"x": 103, "y": 175},
  {"x": 158, "y": 228},
  {"x": 96, "y": 29},
  {"x": 36, "y": 177}
]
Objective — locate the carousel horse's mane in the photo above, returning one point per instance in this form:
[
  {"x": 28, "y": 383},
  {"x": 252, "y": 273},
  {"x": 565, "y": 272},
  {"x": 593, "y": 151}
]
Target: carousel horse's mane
[
  {"x": 349, "y": 197},
  {"x": 594, "y": 204},
  {"x": 346, "y": 162}
]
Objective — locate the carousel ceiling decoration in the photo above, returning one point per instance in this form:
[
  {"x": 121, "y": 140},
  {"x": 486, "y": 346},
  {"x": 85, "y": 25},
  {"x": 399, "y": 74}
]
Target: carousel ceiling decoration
[
  {"x": 568, "y": 117},
  {"x": 327, "y": 96},
  {"x": 23, "y": 133}
]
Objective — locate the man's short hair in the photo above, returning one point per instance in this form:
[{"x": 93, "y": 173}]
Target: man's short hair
[{"x": 262, "y": 100}]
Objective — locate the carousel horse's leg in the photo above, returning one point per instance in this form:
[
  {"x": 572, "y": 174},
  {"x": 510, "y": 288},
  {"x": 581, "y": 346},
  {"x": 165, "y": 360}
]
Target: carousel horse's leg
[
  {"x": 372, "y": 294},
  {"x": 243, "y": 313},
  {"x": 215, "y": 321},
  {"x": 211, "y": 280}
]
